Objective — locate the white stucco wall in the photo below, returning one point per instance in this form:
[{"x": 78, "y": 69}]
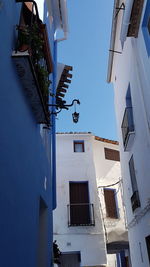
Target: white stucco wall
[
  {"x": 111, "y": 260},
  {"x": 133, "y": 67},
  {"x": 89, "y": 240},
  {"x": 108, "y": 172},
  {"x": 90, "y": 166}
]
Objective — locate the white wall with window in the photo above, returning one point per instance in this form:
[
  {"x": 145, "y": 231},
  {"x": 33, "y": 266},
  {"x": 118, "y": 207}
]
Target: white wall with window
[
  {"x": 109, "y": 183},
  {"x": 130, "y": 69},
  {"x": 79, "y": 217},
  {"x": 77, "y": 220}
]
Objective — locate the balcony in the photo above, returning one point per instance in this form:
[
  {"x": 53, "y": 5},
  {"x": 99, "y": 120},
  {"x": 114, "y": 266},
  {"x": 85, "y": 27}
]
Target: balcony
[
  {"x": 33, "y": 61},
  {"x": 81, "y": 214},
  {"x": 127, "y": 127},
  {"x": 135, "y": 201}
]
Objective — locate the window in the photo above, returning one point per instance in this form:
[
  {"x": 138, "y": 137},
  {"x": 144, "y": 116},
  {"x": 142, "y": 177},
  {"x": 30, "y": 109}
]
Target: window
[
  {"x": 132, "y": 174},
  {"x": 110, "y": 203},
  {"x": 128, "y": 123},
  {"x": 148, "y": 246},
  {"x": 78, "y": 146},
  {"x": 135, "y": 197},
  {"x": 112, "y": 154},
  {"x": 146, "y": 27},
  {"x": 80, "y": 210}
]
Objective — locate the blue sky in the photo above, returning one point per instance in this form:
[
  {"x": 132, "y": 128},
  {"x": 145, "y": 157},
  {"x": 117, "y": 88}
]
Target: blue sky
[{"x": 86, "y": 49}]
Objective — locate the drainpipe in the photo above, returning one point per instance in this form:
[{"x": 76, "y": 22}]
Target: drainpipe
[{"x": 53, "y": 121}]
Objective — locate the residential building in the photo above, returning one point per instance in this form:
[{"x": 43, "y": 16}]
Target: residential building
[
  {"x": 28, "y": 82},
  {"x": 109, "y": 183},
  {"x": 89, "y": 221},
  {"x": 128, "y": 70}
]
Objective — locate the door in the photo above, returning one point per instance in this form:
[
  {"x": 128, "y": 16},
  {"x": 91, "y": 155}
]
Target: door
[
  {"x": 43, "y": 235},
  {"x": 70, "y": 260},
  {"x": 79, "y": 203}
]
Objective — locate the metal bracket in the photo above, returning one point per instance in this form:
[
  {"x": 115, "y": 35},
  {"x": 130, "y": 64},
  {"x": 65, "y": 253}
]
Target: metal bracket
[
  {"x": 46, "y": 127},
  {"x": 114, "y": 51},
  {"x": 122, "y": 7},
  {"x": 65, "y": 106}
]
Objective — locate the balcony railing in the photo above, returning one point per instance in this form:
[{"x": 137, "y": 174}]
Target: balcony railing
[
  {"x": 127, "y": 127},
  {"x": 34, "y": 64},
  {"x": 135, "y": 200},
  {"x": 81, "y": 214}
]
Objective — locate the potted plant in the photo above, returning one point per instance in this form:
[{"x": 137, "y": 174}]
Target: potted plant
[
  {"x": 30, "y": 38},
  {"x": 56, "y": 253}
]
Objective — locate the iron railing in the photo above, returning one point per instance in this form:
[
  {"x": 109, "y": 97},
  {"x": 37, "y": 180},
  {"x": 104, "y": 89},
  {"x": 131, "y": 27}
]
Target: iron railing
[
  {"x": 127, "y": 124},
  {"x": 30, "y": 38},
  {"x": 33, "y": 59},
  {"x": 81, "y": 214}
]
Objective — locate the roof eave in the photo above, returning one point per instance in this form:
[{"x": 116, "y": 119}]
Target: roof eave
[{"x": 112, "y": 43}]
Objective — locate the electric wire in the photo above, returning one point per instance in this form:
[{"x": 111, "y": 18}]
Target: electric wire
[{"x": 101, "y": 186}]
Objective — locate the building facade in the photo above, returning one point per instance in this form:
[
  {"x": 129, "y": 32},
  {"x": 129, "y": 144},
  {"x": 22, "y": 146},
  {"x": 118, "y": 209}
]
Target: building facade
[
  {"x": 28, "y": 82},
  {"x": 109, "y": 183},
  {"x": 128, "y": 71},
  {"x": 89, "y": 221}
]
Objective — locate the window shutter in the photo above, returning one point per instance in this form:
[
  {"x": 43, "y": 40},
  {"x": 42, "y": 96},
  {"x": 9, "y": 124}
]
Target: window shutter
[
  {"x": 148, "y": 25},
  {"x": 132, "y": 175},
  {"x": 148, "y": 246},
  {"x": 110, "y": 202},
  {"x": 112, "y": 154},
  {"x": 79, "y": 203}
]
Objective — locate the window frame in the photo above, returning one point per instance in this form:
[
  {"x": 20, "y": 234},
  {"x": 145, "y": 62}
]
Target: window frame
[
  {"x": 111, "y": 154},
  {"x": 135, "y": 200},
  {"x": 78, "y": 142},
  {"x": 127, "y": 126},
  {"x": 80, "y": 203},
  {"x": 133, "y": 175},
  {"x": 147, "y": 240},
  {"x": 108, "y": 216},
  {"x": 145, "y": 30}
]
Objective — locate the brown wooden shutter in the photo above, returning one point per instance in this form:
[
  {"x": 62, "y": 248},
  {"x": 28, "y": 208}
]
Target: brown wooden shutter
[
  {"x": 112, "y": 154},
  {"x": 110, "y": 202},
  {"x": 79, "y": 203},
  {"x": 79, "y": 192}
]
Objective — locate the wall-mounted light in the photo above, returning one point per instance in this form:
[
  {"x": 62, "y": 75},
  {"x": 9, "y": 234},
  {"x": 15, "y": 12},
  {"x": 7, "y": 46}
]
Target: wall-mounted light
[{"x": 75, "y": 115}]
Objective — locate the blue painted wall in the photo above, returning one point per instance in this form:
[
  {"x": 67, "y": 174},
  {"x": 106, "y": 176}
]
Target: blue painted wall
[{"x": 23, "y": 159}]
